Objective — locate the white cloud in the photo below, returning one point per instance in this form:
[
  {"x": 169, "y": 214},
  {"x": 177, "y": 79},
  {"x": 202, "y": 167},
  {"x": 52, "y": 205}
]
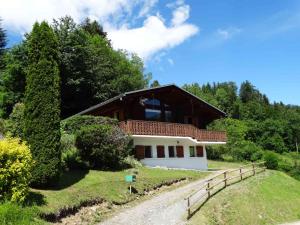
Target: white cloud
[
  {"x": 148, "y": 5},
  {"x": 180, "y": 15},
  {"x": 228, "y": 32},
  {"x": 117, "y": 16},
  {"x": 19, "y": 15},
  {"x": 152, "y": 37}
]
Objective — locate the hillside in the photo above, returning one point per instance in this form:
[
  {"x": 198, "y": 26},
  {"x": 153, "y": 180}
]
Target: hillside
[{"x": 269, "y": 198}]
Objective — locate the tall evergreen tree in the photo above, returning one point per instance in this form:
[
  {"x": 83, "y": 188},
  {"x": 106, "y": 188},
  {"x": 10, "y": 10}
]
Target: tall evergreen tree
[
  {"x": 42, "y": 104},
  {"x": 2, "y": 44}
]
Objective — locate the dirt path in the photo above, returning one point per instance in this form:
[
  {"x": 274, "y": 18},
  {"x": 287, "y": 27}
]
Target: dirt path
[{"x": 168, "y": 208}]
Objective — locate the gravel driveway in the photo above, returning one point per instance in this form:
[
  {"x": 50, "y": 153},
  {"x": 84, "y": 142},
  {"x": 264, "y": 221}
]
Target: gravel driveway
[{"x": 167, "y": 208}]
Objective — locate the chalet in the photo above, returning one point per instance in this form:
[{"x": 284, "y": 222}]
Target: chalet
[{"x": 167, "y": 123}]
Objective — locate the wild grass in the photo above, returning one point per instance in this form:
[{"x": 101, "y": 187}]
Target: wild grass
[{"x": 272, "y": 197}]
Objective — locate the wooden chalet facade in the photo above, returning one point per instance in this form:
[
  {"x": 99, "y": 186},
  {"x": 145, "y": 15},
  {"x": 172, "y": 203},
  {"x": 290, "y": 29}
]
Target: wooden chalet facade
[{"x": 167, "y": 123}]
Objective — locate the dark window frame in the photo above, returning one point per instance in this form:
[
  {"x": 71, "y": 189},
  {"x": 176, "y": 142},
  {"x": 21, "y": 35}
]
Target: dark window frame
[
  {"x": 147, "y": 149},
  {"x": 172, "y": 148}
]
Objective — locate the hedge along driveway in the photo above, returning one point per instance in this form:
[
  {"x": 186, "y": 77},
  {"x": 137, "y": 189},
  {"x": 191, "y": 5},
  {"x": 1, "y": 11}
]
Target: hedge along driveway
[{"x": 76, "y": 187}]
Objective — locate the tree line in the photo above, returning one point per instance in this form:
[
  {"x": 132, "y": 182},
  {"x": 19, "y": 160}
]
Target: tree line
[{"x": 252, "y": 122}]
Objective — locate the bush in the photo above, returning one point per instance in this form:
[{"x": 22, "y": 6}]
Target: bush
[
  {"x": 70, "y": 155},
  {"x": 73, "y": 124},
  {"x": 16, "y": 164},
  {"x": 103, "y": 146},
  {"x": 246, "y": 150},
  {"x": 132, "y": 162},
  {"x": 271, "y": 160},
  {"x": 15, "y": 123}
]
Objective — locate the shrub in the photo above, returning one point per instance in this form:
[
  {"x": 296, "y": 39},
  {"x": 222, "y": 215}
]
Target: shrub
[
  {"x": 132, "y": 162},
  {"x": 103, "y": 146},
  {"x": 246, "y": 150},
  {"x": 15, "y": 123},
  {"x": 42, "y": 104},
  {"x": 16, "y": 164},
  {"x": 73, "y": 124},
  {"x": 271, "y": 160}
]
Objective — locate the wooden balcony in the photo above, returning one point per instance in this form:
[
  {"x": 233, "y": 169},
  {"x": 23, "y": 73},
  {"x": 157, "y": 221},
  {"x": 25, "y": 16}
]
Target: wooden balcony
[{"x": 140, "y": 127}]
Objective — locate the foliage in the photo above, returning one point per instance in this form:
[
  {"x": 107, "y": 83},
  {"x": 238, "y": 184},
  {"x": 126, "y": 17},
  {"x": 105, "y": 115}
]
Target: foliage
[
  {"x": 237, "y": 147},
  {"x": 91, "y": 70},
  {"x": 271, "y": 160},
  {"x": 15, "y": 172},
  {"x": 103, "y": 146},
  {"x": 13, "y": 78},
  {"x": 15, "y": 124},
  {"x": 42, "y": 104},
  {"x": 73, "y": 124},
  {"x": 132, "y": 162},
  {"x": 2, "y": 44},
  {"x": 275, "y": 127},
  {"x": 70, "y": 154},
  {"x": 14, "y": 214}
]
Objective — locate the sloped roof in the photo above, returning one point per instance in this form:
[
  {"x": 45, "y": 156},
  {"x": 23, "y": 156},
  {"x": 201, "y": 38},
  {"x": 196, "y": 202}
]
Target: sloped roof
[{"x": 119, "y": 97}]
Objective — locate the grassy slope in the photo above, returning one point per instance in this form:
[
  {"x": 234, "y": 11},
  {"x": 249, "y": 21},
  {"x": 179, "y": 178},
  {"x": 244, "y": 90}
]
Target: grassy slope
[
  {"x": 75, "y": 187},
  {"x": 223, "y": 165},
  {"x": 269, "y": 198}
]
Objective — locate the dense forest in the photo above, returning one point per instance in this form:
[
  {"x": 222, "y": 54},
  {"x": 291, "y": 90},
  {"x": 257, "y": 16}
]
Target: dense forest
[{"x": 253, "y": 124}]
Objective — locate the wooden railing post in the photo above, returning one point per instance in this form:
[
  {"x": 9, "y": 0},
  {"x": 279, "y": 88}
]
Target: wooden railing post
[
  {"x": 208, "y": 189},
  {"x": 241, "y": 173},
  {"x": 188, "y": 205},
  {"x": 253, "y": 167},
  {"x": 225, "y": 178}
]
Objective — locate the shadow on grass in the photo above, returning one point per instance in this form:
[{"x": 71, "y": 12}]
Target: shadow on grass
[
  {"x": 35, "y": 199},
  {"x": 67, "y": 179}
]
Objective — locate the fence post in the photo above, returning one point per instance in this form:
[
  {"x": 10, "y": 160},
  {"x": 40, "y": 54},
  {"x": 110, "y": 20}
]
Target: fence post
[
  {"x": 188, "y": 205},
  {"x": 225, "y": 178},
  {"x": 253, "y": 166},
  {"x": 208, "y": 189},
  {"x": 241, "y": 173}
]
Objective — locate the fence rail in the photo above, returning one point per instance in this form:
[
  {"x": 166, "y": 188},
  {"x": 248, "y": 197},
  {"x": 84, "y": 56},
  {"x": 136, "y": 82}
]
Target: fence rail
[{"x": 218, "y": 182}]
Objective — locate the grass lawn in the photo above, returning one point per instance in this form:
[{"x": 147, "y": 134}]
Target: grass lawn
[
  {"x": 78, "y": 186},
  {"x": 213, "y": 165},
  {"x": 268, "y": 198}
]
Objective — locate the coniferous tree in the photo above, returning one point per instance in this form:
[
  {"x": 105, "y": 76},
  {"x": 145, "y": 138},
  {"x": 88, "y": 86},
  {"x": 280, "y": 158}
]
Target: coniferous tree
[
  {"x": 42, "y": 104},
  {"x": 2, "y": 44}
]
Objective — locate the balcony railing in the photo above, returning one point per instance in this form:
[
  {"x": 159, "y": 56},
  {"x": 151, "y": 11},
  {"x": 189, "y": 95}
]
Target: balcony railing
[{"x": 140, "y": 127}]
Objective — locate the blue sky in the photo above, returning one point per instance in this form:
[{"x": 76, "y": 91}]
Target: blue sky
[{"x": 196, "y": 40}]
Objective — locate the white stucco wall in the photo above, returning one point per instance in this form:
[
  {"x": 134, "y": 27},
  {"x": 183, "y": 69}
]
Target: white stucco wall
[{"x": 187, "y": 162}]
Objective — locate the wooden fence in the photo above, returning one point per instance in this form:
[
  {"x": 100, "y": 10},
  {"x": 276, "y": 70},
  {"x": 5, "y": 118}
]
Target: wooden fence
[{"x": 216, "y": 183}]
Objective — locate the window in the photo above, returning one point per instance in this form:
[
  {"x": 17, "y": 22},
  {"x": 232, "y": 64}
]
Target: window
[
  {"x": 139, "y": 152},
  {"x": 168, "y": 116},
  {"x": 148, "y": 152},
  {"x": 160, "y": 151},
  {"x": 152, "y": 102},
  {"x": 199, "y": 151},
  {"x": 192, "y": 151},
  {"x": 152, "y": 114},
  {"x": 179, "y": 151},
  {"x": 171, "y": 151}
]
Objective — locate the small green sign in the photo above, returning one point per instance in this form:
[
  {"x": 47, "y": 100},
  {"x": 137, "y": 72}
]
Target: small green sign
[{"x": 130, "y": 178}]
